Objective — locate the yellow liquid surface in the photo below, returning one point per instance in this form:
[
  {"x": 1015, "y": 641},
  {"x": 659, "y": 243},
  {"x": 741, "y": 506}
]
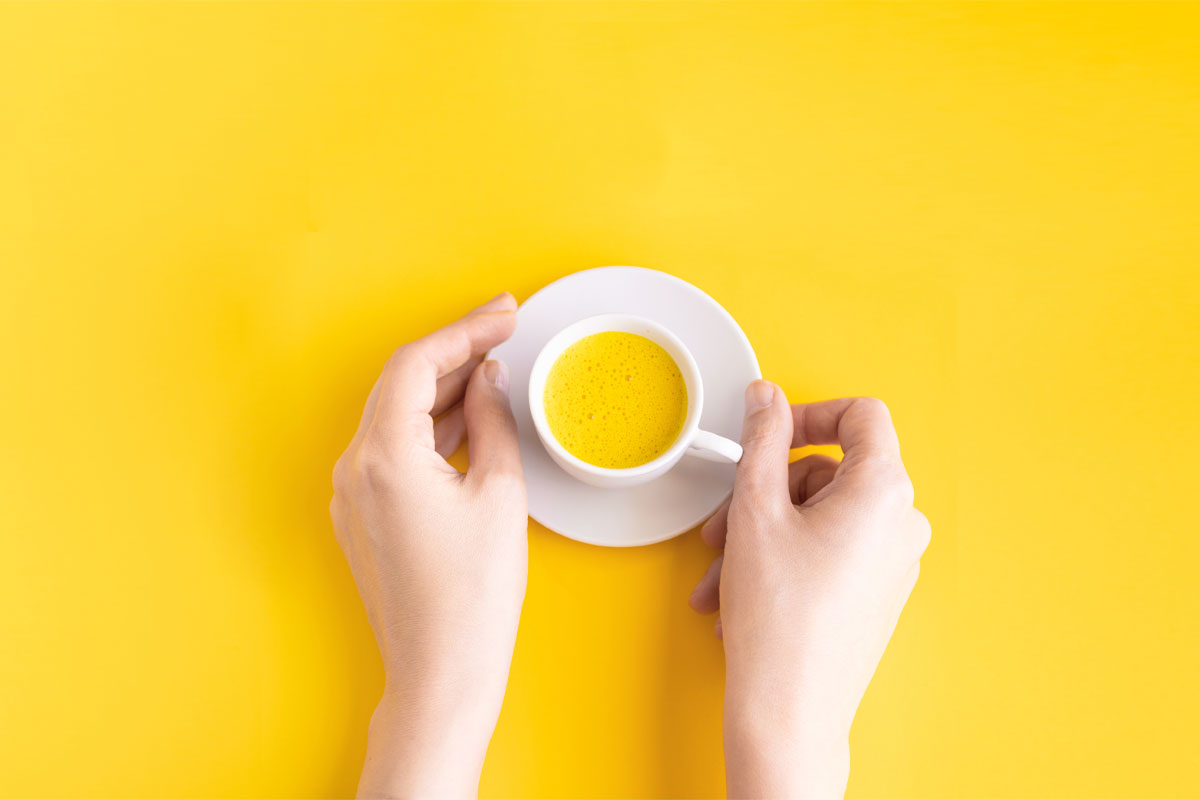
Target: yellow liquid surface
[{"x": 615, "y": 399}]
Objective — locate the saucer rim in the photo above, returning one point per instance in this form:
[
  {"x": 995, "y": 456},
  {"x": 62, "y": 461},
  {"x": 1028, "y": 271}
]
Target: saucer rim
[{"x": 744, "y": 344}]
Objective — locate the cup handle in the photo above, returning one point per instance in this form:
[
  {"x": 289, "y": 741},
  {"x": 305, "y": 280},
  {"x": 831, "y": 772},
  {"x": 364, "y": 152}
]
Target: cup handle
[{"x": 711, "y": 447}]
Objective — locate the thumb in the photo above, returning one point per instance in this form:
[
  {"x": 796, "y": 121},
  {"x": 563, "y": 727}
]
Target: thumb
[
  {"x": 491, "y": 430},
  {"x": 762, "y": 474}
]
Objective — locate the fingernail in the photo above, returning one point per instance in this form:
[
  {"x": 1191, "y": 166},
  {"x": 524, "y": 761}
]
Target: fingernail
[
  {"x": 759, "y": 395},
  {"x": 496, "y": 373},
  {"x": 495, "y": 301}
]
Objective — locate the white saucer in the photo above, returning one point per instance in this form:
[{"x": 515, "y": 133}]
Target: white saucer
[{"x": 689, "y": 493}]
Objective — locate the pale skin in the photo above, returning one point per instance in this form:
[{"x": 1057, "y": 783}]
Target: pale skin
[{"x": 819, "y": 558}]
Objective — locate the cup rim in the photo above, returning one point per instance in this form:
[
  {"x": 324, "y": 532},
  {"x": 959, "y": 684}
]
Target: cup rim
[{"x": 563, "y": 339}]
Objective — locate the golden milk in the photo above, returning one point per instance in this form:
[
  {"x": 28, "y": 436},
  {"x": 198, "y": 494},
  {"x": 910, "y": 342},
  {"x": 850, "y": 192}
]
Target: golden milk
[{"x": 615, "y": 399}]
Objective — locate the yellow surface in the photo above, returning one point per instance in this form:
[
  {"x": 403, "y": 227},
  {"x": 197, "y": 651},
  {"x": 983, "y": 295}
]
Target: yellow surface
[
  {"x": 217, "y": 220},
  {"x": 615, "y": 400}
]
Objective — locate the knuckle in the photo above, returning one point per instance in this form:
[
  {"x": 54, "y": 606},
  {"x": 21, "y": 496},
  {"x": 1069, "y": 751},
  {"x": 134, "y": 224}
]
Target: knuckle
[
  {"x": 755, "y": 509},
  {"x": 892, "y": 480},
  {"x": 499, "y": 416},
  {"x": 755, "y": 500},
  {"x": 874, "y": 406},
  {"x": 506, "y": 479},
  {"x": 453, "y": 337},
  {"x": 405, "y": 352},
  {"x": 340, "y": 468},
  {"x": 399, "y": 357},
  {"x": 762, "y": 433},
  {"x": 375, "y": 465}
]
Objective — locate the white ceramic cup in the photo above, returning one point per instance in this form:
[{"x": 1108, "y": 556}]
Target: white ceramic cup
[{"x": 691, "y": 440}]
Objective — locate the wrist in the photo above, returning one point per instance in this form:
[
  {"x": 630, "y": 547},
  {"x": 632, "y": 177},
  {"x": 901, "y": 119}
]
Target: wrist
[
  {"x": 430, "y": 731},
  {"x": 774, "y": 751},
  {"x": 428, "y": 743}
]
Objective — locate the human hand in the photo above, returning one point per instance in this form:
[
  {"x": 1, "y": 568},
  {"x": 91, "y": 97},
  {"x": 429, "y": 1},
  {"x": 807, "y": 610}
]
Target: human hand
[
  {"x": 440, "y": 557},
  {"x": 819, "y": 559}
]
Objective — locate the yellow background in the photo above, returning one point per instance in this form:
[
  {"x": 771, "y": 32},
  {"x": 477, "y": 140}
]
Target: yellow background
[{"x": 217, "y": 220}]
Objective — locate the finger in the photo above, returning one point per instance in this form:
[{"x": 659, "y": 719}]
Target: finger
[
  {"x": 500, "y": 302},
  {"x": 447, "y": 396},
  {"x": 762, "y": 474},
  {"x": 448, "y": 432},
  {"x": 450, "y": 388},
  {"x": 809, "y": 475},
  {"x": 713, "y": 532},
  {"x": 408, "y": 391},
  {"x": 492, "y": 447},
  {"x": 718, "y": 629},
  {"x": 861, "y": 425},
  {"x": 706, "y": 597}
]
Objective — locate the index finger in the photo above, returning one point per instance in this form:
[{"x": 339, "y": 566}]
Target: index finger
[
  {"x": 408, "y": 386},
  {"x": 861, "y": 425}
]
